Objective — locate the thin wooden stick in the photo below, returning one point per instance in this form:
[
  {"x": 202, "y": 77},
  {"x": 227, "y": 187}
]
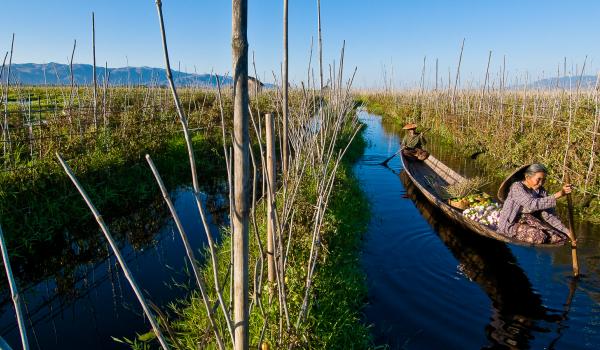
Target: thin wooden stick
[
  {"x": 572, "y": 230},
  {"x": 270, "y": 159},
  {"x": 117, "y": 252},
  {"x": 14, "y": 292},
  {"x": 188, "y": 250},
  {"x": 285, "y": 144},
  {"x": 94, "y": 69},
  {"x": 5, "y": 134},
  {"x": 195, "y": 184}
]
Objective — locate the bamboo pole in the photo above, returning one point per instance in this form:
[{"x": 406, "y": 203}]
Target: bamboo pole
[
  {"x": 320, "y": 45},
  {"x": 270, "y": 136},
  {"x": 5, "y": 135},
  {"x": 72, "y": 74},
  {"x": 189, "y": 251},
  {"x": 195, "y": 184},
  {"x": 457, "y": 76},
  {"x": 285, "y": 146},
  {"x": 116, "y": 251},
  {"x": 94, "y": 70},
  {"x": 239, "y": 43},
  {"x": 14, "y": 292}
]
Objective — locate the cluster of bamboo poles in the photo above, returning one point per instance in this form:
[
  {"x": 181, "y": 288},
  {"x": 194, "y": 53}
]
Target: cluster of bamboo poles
[
  {"x": 312, "y": 141},
  {"x": 507, "y": 120},
  {"x": 45, "y": 119}
]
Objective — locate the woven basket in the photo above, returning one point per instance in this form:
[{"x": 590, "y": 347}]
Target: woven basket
[{"x": 461, "y": 204}]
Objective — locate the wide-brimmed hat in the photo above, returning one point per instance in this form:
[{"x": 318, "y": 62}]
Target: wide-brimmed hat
[
  {"x": 517, "y": 175},
  {"x": 410, "y": 126}
]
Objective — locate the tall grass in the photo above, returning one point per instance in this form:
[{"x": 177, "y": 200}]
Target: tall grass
[{"x": 559, "y": 128}]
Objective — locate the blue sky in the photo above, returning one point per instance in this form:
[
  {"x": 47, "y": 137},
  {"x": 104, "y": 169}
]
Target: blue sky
[{"x": 381, "y": 36}]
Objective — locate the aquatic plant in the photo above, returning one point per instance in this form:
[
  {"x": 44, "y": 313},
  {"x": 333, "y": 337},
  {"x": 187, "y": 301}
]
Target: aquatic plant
[{"x": 465, "y": 187}]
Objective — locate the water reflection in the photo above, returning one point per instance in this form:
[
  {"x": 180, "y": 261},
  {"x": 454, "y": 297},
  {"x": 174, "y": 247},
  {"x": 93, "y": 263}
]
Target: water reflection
[{"x": 74, "y": 291}]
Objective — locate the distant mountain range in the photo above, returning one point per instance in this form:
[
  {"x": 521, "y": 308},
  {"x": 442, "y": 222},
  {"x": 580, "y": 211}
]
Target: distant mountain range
[
  {"x": 59, "y": 74},
  {"x": 587, "y": 82}
]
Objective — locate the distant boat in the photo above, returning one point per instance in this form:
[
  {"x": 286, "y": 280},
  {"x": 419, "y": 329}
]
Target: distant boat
[{"x": 429, "y": 173}]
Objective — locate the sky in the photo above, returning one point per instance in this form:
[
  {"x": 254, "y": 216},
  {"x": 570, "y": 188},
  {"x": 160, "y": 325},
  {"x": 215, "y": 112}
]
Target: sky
[{"x": 387, "y": 40}]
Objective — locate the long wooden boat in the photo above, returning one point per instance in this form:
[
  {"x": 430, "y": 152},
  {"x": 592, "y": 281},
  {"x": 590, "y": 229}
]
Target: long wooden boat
[{"x": 428, "y": 174}]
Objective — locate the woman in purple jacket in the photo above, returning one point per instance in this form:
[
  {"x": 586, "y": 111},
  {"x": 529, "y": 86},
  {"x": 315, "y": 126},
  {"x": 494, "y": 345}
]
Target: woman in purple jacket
[{"x": 528, "y": 212}]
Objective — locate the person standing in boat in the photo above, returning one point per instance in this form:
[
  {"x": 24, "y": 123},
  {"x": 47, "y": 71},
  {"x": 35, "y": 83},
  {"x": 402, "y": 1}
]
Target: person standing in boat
[
  {"x": 528, "y": 214},
  {"x": 412, "y": 143}
]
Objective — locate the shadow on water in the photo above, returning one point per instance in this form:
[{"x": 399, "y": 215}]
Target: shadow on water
[
  {"x": 516, "y": 307},
  {"x": 74, "y": 292}
]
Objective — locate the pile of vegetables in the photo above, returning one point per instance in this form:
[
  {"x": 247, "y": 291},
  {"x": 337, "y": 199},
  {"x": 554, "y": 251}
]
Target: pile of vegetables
[{"x": 484, "y": 214}]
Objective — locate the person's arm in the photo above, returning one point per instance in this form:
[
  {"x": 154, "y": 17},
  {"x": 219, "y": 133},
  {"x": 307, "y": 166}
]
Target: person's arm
[{"x": 566, "y": 189}]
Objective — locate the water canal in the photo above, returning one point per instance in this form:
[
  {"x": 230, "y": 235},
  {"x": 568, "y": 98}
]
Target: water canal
[
  {"x": 83, "y": 300},
  {"x": 433, "y": 286}
]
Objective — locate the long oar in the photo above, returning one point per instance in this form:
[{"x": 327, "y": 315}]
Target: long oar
[
  {"x": 571, "y": 228},
  {"x": 384, "y": 163}
]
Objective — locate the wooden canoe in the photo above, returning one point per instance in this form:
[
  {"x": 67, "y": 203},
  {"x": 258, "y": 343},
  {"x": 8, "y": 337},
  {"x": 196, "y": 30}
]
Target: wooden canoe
[{"x": 428, "y": 174}]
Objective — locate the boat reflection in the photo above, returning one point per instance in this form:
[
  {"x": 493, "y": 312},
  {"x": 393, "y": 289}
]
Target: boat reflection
[{"x": 517, "y": 310}]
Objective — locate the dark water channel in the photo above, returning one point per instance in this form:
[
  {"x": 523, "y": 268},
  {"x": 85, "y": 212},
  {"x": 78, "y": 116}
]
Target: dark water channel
[
  {"x": 434, "y": 286},
  {"x": 86, "y": 300}
]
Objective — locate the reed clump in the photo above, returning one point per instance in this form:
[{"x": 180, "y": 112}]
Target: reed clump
[{"x": 511, "y": 127}]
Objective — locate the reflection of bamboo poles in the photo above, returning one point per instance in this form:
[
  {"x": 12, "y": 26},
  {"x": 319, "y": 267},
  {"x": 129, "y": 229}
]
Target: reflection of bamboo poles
[
  {"x": 189, "y": 251},
  {"x": 14, "y": 291},
  {"x": 117, "y": 253}
]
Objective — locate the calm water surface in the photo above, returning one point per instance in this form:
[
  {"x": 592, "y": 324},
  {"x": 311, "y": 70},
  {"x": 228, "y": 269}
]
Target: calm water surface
[
  {"x": 434, "y": 286},
  {"x": 80, "y": 298}
]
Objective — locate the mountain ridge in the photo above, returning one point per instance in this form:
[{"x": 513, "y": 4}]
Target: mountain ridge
[{"x": 53, "y": 73}]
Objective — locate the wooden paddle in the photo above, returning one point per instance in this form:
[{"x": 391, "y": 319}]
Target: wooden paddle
[
  {"x": 384, "y": 163},
  {"x": 572, "y": 230}
]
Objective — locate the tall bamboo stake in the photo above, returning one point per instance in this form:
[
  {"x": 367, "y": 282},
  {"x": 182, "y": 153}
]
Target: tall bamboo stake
[
  {"x": 270, "y": 136},
  {"x": 239, "y": 43},
  {"x": 5, "y": 135},
  {"x": 14, "y": 292},
  {"x": 285, "y": 146},
  {"x": 72, "y": 78},
  {"x": 436, "y": 74},
  {"x": 117, "y": 252},
  {"x": 457, "y": 75},
  {"x": 94, "y": 69},
  {"x": 320, "y": 43},
  {"x": 195, "y": 184}
]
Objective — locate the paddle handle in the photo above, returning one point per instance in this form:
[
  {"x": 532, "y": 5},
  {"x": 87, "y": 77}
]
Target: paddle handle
[{"x": 572, "y": 230}]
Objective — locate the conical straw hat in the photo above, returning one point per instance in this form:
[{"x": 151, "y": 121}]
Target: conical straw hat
[
  {"x": 410, "y": 126},
  {"x": 517, "y": 175}
]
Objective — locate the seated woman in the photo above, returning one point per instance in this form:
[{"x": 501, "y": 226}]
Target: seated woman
[
  {"x": 528, "y": 212},
  {"x": 413, "y": 142}
]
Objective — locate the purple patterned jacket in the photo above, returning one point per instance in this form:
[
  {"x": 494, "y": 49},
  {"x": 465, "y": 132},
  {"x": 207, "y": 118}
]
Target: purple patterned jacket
[{"x": 521, "y": 199}]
